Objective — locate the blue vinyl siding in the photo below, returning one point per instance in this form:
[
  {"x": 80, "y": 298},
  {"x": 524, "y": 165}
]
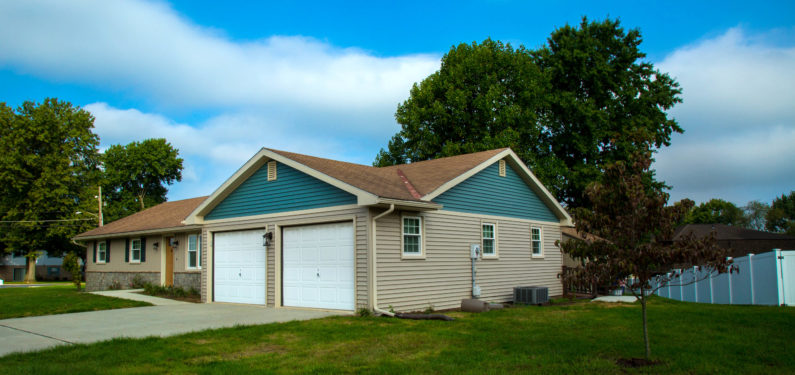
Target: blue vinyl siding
[
  {"x": 291, "y": 191},
  {"x": 489, "y": 194}
]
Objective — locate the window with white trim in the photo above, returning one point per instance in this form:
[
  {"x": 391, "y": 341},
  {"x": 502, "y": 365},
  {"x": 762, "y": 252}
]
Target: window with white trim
[
  {"x": 102, "y": 252},
  {"x": 412, "y": 235},
  {"x": 135, "y": 251},
  {"x": 194, "y": 251},
  {"x": 489, "y": 239},
  {"x": 535, "y": 241}
]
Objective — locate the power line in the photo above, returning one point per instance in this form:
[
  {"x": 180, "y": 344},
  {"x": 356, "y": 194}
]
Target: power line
[{"x": 42, "y": 221}]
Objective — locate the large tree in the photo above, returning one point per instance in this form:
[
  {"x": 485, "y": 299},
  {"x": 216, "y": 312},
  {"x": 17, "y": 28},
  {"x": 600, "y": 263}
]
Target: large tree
[
  {"x": 136, "y": 175},
  {"x": 566, "y": 108},
  {"x": 48, "y": 161},
  {"x": 484, "y": 96},
  {"x": 716, "y": 211},
  {"x": 630, "y": 229},
  {"x": 781, "y": 217}
]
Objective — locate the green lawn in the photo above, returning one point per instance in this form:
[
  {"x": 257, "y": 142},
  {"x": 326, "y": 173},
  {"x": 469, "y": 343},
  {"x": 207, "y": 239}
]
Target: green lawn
[
  {"x": 58, "y": 299},
  {"x": 579, "y": 338}
]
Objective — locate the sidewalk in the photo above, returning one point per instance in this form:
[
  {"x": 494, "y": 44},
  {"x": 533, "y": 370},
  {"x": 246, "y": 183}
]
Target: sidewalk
[{"x": 134, "y": 294}]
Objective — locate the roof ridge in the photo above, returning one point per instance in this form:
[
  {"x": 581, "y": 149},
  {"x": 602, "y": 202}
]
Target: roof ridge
[
  {"x": 444, "y": 158},
  {"x": 282, "y": 152},
  {"x": 408, "y": 185}
]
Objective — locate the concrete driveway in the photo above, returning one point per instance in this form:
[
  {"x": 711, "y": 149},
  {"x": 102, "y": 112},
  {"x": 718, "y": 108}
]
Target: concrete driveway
[{"x": 40, "y": 332}]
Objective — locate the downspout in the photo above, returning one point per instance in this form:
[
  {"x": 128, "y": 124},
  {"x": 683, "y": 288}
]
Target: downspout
[{"x": 374, "y": 263}]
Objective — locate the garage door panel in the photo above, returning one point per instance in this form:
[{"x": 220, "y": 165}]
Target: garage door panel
[
  {"x": 322, "y": 256},
  {"x": 240, "y": 267}
]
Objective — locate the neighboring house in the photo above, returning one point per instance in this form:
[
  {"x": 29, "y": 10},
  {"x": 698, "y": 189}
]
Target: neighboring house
[
  {"x": 14, "y": 268},
  {"x": 345, "y": 236},
  {"x": 741, "y": 241}
]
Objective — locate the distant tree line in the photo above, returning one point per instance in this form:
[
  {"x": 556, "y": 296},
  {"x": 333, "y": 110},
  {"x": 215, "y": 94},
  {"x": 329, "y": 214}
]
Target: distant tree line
[{"x": 779, "y": 216}]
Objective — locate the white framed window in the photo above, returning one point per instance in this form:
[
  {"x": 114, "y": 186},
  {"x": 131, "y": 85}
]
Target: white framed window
[
  {"x": 102, "y": 252},
  {"x": 412, "y": 236},
  {"x": 488, "y": 233},
  {"x": 194, "y": 252},
  {"x": 535, "y": 242},
  {"x": 135, "y": 250}
]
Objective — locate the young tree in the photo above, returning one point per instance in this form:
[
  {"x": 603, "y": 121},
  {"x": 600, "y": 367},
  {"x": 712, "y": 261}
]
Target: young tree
[
  {"x": 48, "y": 157},
  {"x": 716, "y": 211},
  {"x": 631, "y": 228},
  {"x": 566, "y": 108},
  {"x": 781, "y": 217},
  {"x": 136, "y": 175},
  {"x": 755, "y": 213}
]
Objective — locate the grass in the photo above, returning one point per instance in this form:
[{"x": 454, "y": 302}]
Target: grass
[
  {"x": 566, "y": 339},
  {"x": 58, "y": 299}
]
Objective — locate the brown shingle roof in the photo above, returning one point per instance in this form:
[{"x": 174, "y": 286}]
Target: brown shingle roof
[
  {"x": 417, "y": 180},
  {"x": 728, "y": 232},
  {"x": 425, "y": 176},
  {"x": 163, "y": 216}
]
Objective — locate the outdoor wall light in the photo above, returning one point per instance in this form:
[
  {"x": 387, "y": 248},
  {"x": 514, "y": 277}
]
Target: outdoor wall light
[
  {"x": 267, "y": 238},
  {"x": 155, "y": 245},
  {"x": 174, "y": 242}
]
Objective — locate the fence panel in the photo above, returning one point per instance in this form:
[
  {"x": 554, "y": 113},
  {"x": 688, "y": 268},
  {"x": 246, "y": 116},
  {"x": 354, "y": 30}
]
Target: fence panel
[
  {"x": 764, "y": 279},
  {"x": 765, "y": 270}
]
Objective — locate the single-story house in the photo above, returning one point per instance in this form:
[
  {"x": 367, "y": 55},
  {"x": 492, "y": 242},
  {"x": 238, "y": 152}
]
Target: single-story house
[
  {"x": 14, "y": 268},
  {"x": 294, "y": 230},
  {"x": 738, "y": 240}
]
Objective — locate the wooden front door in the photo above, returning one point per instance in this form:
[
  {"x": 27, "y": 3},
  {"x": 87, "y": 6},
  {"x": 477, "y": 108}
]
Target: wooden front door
[{"x": 169, "y": 262}]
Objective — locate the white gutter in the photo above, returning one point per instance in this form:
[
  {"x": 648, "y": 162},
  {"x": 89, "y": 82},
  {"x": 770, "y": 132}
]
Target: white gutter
[{"x": 374, "y": 263}]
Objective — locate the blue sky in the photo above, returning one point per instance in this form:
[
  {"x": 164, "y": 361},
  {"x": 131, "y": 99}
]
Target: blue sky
[{"x": 219, "y": 80}]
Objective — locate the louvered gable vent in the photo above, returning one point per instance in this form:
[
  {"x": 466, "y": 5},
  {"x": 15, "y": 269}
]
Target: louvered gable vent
[{"x": 271, "y": 171}]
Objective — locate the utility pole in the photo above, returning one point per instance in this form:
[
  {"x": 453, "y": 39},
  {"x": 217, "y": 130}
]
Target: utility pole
[{"x": 99, "y": 199}]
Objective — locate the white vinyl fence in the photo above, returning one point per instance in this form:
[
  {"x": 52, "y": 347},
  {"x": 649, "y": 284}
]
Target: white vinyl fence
[{"x": 764, "y": 279}]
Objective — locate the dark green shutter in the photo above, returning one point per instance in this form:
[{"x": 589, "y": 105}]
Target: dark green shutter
[
  {"x": 95, "y": 251},
  {"x": 107, "y": 251},
  {"x": 143, "y": 249},
  {"x": 127, "y": 250}
]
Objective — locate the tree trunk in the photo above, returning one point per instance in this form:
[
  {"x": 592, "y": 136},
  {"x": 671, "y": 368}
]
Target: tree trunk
[
  {"x": 141, "y": 199},
  {"x": 30, "y": 264},
  {"x": 645, "y": 324}
]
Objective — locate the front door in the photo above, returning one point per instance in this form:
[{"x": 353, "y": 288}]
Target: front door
[{"x": 169, "y": 262}]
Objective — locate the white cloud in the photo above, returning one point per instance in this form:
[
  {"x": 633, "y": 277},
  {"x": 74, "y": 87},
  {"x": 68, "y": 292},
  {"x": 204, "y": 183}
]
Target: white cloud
[
  {"x": 148, "y": 48},
  {"x": 217, "y": 147},
  {"x": 738, "y": 116}
]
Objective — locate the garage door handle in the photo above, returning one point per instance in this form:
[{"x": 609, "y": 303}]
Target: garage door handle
[
  {"x": 318, "y": 272},
  {"x": 240, "y": 274}
]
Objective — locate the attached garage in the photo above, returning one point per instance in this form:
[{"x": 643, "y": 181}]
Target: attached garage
[
  {"x": 318, "y": 263},
  {"x": 240, "y": 267}
]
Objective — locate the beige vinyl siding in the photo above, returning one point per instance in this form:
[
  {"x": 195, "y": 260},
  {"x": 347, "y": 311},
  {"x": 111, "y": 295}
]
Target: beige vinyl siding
[
  {"x": 281, "y": 220},
  {"x": 181, "y": 253},
  {"x": 117, "y": 247},
  {"x": 443, "y": 278}
]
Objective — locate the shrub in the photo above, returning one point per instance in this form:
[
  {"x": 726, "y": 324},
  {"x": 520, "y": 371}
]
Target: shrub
[
  {"x": 364, "y": 312},
  {"x": 71, "y": 263},
  {"x": 115, "y": 285},
  {"x": 138, "y": 282}
]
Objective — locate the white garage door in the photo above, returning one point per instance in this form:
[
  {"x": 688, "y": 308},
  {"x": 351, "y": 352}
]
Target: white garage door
[
  {"x": 240, "y": 261},
  {"x": 318, "y": 266}
]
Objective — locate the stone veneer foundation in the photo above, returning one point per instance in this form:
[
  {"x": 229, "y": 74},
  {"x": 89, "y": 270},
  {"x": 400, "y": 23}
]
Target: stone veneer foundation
[
  {"x": 188, "y": 280},
  {"x": 103, "y": 280}
]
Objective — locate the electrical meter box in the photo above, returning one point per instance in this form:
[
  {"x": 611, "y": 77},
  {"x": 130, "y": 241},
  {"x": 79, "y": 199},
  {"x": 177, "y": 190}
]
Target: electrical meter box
[{"x": 474, "y": 251}]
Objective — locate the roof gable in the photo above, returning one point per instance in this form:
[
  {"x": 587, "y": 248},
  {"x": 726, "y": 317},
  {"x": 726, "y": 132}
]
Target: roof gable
[
  {"x": 414, "y": 185},
  {"x": 489, "y": 193},
  {"x": 291, "y": 190}
]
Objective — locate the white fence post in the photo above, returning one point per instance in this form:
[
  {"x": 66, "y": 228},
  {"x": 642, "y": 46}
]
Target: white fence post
[{"x": 751, "y": 274}]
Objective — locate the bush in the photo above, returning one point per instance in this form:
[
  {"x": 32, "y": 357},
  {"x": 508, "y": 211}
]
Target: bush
[
  {"x": 138, "y": 282},
  {"x": 71, "y": 263},
  {"x": 170, "y": 291},
  {"x": 115, "y": 285},
  {"x": 364, "y": 312}
]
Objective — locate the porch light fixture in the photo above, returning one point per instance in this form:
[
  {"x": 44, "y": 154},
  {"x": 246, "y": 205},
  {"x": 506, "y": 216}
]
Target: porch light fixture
[
  {"x": 267, "y": 238},
  {"x": 155, "y": 245},
  {"x": 174, "y": 242}
]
